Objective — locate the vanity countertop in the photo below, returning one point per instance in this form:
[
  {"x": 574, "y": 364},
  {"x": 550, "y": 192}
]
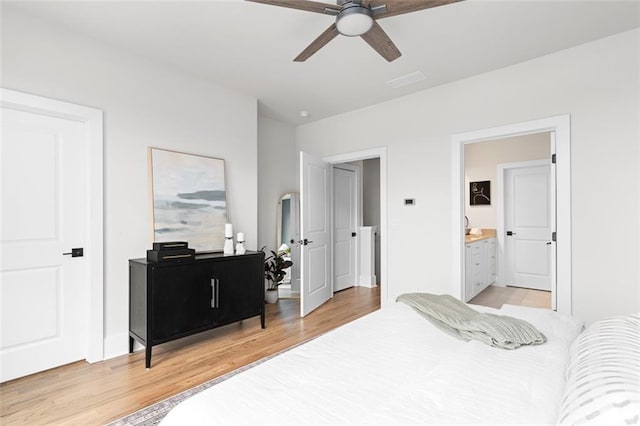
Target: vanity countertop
[{"x": 486, "y": 233}]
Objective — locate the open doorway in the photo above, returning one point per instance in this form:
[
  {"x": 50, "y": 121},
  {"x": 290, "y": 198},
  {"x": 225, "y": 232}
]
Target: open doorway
[
  {"x": 371, "y": 216},
  {"x": 316, "y": 195},
  {"x": 559, "y": 128},
  {"x": 509, "y": 217},
  {"x": 356, "y": 224}
]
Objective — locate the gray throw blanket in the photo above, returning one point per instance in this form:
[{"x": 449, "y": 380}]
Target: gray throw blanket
[{"x": 457, "y": 319}]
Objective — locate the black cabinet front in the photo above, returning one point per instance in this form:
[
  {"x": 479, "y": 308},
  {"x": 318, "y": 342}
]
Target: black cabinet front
[
  {"x": 169, "y": 300},
  {"x": 233, "y": 299},
  {"x": 181, "y": 301}
]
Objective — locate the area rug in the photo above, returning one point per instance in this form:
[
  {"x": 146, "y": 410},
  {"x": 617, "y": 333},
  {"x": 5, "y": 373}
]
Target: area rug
[{"x": 153, "y": 414}]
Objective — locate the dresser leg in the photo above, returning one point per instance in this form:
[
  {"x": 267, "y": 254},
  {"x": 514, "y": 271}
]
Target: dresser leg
[
  {"x": 131, "y": 344},
  {"x": 147, "y": 356},
  {"x": 262, "y": 319}
]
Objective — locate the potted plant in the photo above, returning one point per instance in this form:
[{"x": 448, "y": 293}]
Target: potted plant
[{"x": 274, "y": 272}]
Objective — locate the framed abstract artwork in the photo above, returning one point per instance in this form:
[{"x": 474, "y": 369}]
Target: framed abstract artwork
[
  {"x": 189, "y": 199},
  {"x": 480, "y": 193}
]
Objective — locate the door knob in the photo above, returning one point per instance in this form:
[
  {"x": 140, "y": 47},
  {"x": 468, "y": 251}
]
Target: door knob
[
  {"x": 305, "y": 242},
  {"x": 510, "y": 233},
  {"x": 75, "y": 252}
]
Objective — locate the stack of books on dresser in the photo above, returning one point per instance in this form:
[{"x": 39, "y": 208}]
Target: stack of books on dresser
[{"x": 170, "y": 250}]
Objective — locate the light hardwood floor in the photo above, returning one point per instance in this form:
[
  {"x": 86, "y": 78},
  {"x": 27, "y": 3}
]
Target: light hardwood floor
[
  {"x": 83, "y": 394},
  {"x": 495, "y": 297}
]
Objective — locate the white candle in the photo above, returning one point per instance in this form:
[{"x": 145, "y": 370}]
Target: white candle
[
  {"x": 240, "y": 237},
  {"x": 228, "y": 230}
]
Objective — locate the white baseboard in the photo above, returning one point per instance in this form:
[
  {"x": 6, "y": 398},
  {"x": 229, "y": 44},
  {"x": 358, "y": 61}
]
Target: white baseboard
[
  {"x": 117, "y": 345},
  {"x": 286, "y": 293},
  {"x": 367, "y": 281}
]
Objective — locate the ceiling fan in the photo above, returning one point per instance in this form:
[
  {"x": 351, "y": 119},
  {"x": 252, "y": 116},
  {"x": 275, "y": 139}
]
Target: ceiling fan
[{"x": 357, "y": 18}]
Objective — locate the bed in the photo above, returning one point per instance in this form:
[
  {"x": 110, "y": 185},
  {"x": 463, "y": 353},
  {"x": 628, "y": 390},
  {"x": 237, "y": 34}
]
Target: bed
[{"x": 394, "y": 367}]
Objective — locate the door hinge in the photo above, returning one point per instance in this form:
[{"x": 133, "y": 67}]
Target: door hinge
[
  {"x": 553, "y": 236},
  {"x": 553, "y": 159}
]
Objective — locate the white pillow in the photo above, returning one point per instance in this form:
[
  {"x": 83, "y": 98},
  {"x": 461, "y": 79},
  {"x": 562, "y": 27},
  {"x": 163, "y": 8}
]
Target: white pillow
[{"x": 603, "y": 375}]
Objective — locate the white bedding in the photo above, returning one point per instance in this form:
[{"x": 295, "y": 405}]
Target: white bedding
[{"x": 393, "y": 366}]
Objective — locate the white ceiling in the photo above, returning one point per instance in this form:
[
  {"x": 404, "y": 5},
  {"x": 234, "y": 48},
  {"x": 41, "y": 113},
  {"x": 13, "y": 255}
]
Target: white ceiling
[{"x": 250, "y": 47}]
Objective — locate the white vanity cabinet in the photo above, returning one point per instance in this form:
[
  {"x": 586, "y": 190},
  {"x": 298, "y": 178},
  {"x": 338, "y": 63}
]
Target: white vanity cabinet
[
  {"x": 480, "y": 266},
  {"x": 473, "y": 269},
  {"x": 489, "y": 246}
]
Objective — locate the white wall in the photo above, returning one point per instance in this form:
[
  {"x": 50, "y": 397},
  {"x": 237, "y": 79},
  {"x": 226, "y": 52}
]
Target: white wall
[
  {"x": 277, "y": 169},
  {"x": 481, "y": 160},
  {"x": 144, "y": 104},
  {"x": 596, "y": 83}
]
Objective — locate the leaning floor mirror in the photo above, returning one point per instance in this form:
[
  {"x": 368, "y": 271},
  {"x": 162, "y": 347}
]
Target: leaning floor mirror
[{"x": 287, "y": 236}]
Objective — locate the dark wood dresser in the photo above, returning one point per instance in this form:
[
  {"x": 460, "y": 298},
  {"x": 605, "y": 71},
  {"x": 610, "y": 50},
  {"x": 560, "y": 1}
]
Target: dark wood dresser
[{"x": 173, "y": 299}]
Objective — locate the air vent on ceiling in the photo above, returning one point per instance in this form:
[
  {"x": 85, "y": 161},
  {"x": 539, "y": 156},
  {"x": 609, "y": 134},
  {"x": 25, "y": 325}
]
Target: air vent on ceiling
[{"x": 406, "y": 80}]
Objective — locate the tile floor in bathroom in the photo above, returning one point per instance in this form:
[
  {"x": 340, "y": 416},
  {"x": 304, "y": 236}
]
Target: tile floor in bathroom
[{"x": 495, "y": 297}]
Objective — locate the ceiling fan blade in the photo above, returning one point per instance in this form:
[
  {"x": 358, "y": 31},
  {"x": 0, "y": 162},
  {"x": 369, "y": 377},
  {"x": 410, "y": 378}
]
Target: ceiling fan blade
[
  {"x": 308, "y": 5},
  {"x": 324, "y": 38},
  {"x": 398, "y": 7},
  {"x": 381, "y": 43}
]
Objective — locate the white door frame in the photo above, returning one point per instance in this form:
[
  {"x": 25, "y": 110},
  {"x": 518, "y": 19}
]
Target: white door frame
[
  {"x": 500, "y": 228},
  {"x": 561, "y": 126},
  {"x": 92, "y": 119},
  {"x": 366, "y": 155},
  {"x": 357, "y": 219}
]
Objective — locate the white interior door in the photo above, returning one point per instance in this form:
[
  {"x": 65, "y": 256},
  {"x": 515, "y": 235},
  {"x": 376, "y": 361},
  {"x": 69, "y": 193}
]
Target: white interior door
[
  {"x": 345, "y": 201},
  {"x": 43, "y": 293},
  {"x": 528, "y": 217},
  {"x": 315, "y": 215},
  {"x": 293, "y": 243}
]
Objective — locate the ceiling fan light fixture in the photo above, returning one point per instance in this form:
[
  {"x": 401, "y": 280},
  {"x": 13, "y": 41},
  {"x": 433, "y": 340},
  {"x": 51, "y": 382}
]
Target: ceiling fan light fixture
[{"x": 354, "y": 21}]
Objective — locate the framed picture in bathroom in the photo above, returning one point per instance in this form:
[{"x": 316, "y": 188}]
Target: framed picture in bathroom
[{"x": 480, "y": 193}]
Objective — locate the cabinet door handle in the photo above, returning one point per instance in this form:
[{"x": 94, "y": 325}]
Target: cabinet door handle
[{"x": 215, "y": 293}]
